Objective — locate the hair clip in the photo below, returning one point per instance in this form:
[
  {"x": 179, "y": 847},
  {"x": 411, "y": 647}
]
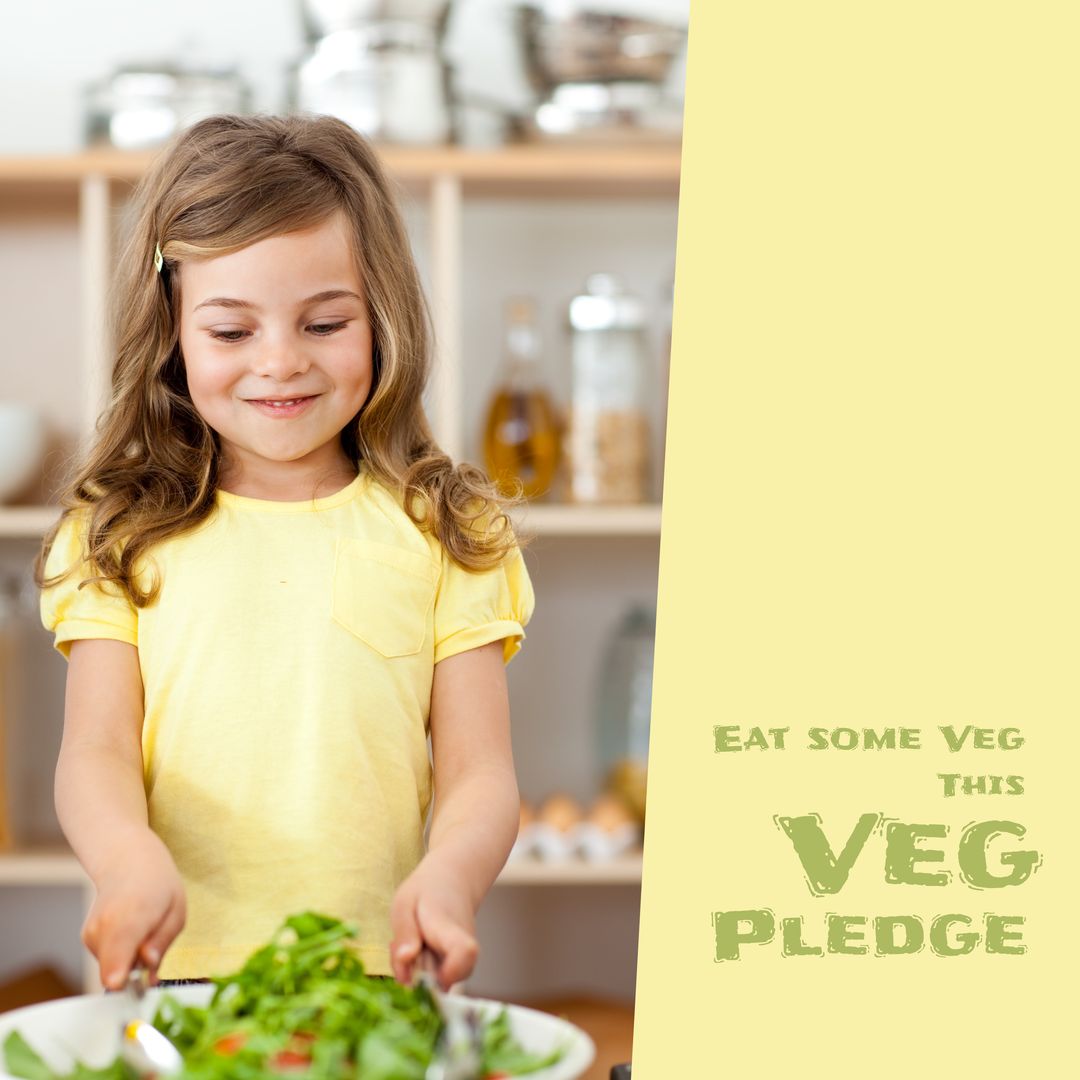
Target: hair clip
[{"x": 158, "y": 259}]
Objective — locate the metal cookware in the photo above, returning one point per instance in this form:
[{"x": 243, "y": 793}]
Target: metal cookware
[
  {"x": 386, "y": 79},
  {"x": 324, "y": 17},
  {"x": 141, "y": 106},
  {"x": 599, "y": 73},
  {"x": 571, "y": 43}
]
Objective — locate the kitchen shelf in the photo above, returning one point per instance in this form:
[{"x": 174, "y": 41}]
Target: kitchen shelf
[
  {"x": 515, "y": 170},
  {"x": 91, "y": 189},
  {"x": 57, "y": 866},
  {"x": 625, "y": 870},
  {"x": 26, "y": 522},
  {"x": 41, "y": 866},
  {"x": 554, "y": 520},
  {"x": 31, "y": 522}
]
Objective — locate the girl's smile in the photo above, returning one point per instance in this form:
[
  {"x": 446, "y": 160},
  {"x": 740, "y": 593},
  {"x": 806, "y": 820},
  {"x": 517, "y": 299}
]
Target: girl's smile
[{"x": 281, "y": 409}]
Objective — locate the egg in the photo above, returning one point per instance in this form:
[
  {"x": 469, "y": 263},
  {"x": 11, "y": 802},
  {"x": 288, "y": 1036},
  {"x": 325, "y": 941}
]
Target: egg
[
  {"x": 561, "y": 812},
  {"x": 610, "y": 813}
]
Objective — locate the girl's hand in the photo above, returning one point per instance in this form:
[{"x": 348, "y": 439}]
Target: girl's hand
[
  {"x": 432, "y": 910},
  {"x": 138, "y": 911},
  {"x": 474, "y": 820}
]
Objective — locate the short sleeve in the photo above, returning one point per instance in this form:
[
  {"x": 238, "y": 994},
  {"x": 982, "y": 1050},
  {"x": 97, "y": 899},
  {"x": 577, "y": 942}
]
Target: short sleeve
[
  {"x": 474, "y": 608},
  {"x": 97, "y": 610}
]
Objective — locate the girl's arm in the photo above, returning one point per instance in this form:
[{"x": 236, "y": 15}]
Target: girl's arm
[
  {"x": 475, "y": 817},
  {"x": 101, "y": 803}
]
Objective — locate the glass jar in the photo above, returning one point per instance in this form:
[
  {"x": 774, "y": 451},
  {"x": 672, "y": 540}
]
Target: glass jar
[
  {"x": 624, "y": 707},
  {"x": 607, "y": 443}
]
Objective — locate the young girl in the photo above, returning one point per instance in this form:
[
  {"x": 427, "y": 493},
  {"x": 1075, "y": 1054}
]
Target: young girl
[{"x": 271, "y": 586}]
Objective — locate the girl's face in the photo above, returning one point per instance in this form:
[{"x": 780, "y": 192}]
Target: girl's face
[{"x": 282, "y": 320}]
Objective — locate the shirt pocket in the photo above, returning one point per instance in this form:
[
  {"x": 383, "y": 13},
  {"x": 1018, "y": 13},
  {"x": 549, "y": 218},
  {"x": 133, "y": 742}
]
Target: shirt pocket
[{"x": 384, "y": 595}]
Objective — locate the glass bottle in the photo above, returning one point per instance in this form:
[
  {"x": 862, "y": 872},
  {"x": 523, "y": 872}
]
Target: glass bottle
[
  {"x": 608, "y": 431},
  {"x": 624, "y": 707},
  {"x": 522, "y": 432}
]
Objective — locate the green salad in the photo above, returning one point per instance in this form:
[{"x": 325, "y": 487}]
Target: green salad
[{"x": 302, "y": 1006}]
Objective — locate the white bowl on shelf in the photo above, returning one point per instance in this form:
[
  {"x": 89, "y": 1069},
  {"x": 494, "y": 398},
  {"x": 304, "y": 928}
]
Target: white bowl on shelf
[{"x": 22, "y": 446}]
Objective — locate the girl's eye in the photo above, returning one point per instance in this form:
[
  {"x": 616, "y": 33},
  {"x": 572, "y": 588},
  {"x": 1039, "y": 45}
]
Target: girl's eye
[{"x": 319, "y": 330}]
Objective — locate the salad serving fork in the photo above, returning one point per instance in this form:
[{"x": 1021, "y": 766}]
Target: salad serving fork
[{"x": 458, "y": 1052}]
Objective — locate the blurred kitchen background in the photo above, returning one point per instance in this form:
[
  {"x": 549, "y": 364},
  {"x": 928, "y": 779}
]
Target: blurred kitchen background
[{"x": 536, "y": 145}]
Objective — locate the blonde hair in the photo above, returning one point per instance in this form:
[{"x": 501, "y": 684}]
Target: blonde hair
[{"x": 151, "y": 471}]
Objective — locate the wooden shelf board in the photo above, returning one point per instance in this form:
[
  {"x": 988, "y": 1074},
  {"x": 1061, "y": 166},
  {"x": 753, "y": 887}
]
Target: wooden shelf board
[
  {"x": 625, "y": 870},
  {"x": 71, "y": 168},
  {"x": 544, "y": 519},
  {"x": 41, "y": 866},
  {"x": 31, "y": 522},
  {"x": 57, "y": 866},
  {"x": 516, "y": 169},
  {"x": 26, "y": 522}
]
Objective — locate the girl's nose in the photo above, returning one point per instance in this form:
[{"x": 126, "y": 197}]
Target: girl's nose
[{"x": 280, "y": 361}]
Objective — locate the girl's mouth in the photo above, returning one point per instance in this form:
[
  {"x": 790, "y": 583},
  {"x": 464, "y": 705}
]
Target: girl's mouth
[{"x": 291, "y": 407}]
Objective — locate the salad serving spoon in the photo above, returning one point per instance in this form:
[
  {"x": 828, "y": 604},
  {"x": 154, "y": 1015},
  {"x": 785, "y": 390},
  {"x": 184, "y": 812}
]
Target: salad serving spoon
[{"x": 142, "y": 1046}]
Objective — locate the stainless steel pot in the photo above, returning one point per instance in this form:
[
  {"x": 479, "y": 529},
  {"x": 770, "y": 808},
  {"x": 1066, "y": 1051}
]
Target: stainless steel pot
[
  {"x": 568, "y": 43},
  {"x": 141, "y": 106},
  {"x": 328, "y": 16},
  {"x": 387, "y": 80}
]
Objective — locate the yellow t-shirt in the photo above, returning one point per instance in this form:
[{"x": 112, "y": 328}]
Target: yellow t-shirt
[{"x": 287, "y": 668}]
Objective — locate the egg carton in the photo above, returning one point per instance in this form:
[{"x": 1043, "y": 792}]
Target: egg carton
[{"x": 584, "y": 840}]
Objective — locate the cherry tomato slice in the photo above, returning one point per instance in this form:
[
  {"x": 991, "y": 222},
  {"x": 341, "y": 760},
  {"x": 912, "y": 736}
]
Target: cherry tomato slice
[{"x": 228, "y": 1045}]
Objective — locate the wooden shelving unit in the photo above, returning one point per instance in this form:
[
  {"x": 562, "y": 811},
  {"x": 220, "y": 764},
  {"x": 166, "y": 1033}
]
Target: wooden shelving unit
[{"x": 92, "y": 184}]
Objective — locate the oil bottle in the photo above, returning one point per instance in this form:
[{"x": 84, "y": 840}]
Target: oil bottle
[{"x": 523, "y": 433}]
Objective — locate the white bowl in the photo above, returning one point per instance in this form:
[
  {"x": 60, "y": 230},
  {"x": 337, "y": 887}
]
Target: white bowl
[
  {"x": 87, "y": 1028},
  {"x": 22, "y": 446}
]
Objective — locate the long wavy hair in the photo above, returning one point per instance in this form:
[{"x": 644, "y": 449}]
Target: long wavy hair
[{"x": 151, "y": 471}]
